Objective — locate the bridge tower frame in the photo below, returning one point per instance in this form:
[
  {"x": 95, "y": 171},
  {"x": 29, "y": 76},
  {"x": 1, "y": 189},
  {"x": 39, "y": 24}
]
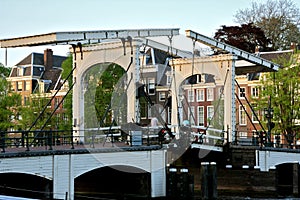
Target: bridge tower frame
[
  {"x": 116, "y": 52},
  {"x": 219, "y": 66}
]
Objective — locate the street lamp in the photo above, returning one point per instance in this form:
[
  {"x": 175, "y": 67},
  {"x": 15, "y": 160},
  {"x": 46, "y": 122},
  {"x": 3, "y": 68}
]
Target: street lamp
[{"x": 268, "y": 112}]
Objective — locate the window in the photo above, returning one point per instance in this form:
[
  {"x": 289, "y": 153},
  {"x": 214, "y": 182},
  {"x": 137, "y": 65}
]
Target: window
[
  {"x": 191, "y": 115},
  {"x": 151, "y": 86},
  {"x": 254, "y": 92},
  {"x": 197, "y": 78},
  {"x": 210, "y": 94},
  {"x": 20, "y": 71},
  {"x": 242, "y": 93},
  {"x": 243, "y": 134},
  {"x": 200, "y": 95},
  {"x": 162, "y": 96},
  {"x": 201, "y": 115},
  {"x": 201, "y": 78},
  {"x": 56, "y": 102},
  {"x": 242, "y": 116},
  {"x": 26, "y": 101},
  {"x": 210, "y": 113},
  {"x": 190, "y": 95},
  {"x": 169, "y": 79},
  {"x": 19, "y": 86},
  {"x": 27, "y": 85}
]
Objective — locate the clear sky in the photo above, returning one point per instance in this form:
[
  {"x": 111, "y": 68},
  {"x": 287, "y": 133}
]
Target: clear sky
[{"x": 30, "y": 17}]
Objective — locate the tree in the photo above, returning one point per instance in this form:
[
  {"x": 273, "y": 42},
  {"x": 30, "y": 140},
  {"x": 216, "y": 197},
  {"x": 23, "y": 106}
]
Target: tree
[
  {"x": 67, "y": 66},
  {"x": 9, "y": 105},
  {"x": 105, "y": 94},
  {"x": 282, "y": 90},
  {"x": 4, "y": 70},
  {"x": 279, "y": 19},
  {"x": 246, "y": 37},
  {"x": 101, "y": 94},
  {"x": 32, "y": 110}
]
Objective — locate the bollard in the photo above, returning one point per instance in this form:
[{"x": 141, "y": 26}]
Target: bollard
[
  {"x": 213, "y": 192},
  {"x": 183, "y": 184},
  {"x": 191, "y": 187},
  {"x": 172, "y": 183},
  {"x": 209, "y": 180},
  {"x": 204, "y": 183}
]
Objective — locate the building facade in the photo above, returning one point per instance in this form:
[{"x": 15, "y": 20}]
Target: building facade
[{"x": 39, "y": 75}]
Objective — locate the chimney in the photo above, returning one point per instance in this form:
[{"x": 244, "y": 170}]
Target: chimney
[
  {"x": 48, "y": 59},
  {"x": 257, "y": 49}
]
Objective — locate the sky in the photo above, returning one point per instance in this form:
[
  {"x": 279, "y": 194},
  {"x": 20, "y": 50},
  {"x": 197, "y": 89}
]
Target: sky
[{"x": 30, "y": 17}]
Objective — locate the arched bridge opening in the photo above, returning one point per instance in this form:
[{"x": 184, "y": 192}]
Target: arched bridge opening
[
  {"x": 116, "y": 181},
  {"x": 288, "y": 179},
  {"x": 25, "y": 185},
  {"x": 104, "y": 96}
]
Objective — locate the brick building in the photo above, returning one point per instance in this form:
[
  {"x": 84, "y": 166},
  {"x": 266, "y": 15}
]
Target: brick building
[{"x": 39, "y": 75}]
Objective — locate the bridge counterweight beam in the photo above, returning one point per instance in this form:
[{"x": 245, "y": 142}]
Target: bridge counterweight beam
[{"x": 233, "y": 50}]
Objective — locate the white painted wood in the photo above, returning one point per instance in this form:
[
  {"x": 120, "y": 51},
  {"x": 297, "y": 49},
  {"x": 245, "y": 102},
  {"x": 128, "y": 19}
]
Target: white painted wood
[
  {"x": 158, "y": 174},
  {"x": 39, "y": 166},
  {"x": 269, "y": 159},
  {"x": 63, "y": 169},
  {"x": 61, "y": 176}
]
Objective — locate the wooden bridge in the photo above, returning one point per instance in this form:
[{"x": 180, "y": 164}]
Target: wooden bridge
[{"x": 61, "y": 159}]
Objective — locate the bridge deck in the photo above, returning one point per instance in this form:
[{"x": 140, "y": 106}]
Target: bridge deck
[{"x": 77, "y": 149}]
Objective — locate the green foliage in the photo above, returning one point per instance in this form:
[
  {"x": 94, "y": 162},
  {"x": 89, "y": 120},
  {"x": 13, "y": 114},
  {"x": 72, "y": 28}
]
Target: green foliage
[
  {"x": 66, "y": 120},
  {"x": 5, "y": 71},
  {"x": 218, "y": 119},
  {"x": 104, "y": 93},
  {"x": 100, "y": 83},
  {"x": 9, "y": 105},
  {"x": 282, "y": 88},
  {"x": 30, "y": 113},
  {"x": 67, "y": 66},
  {"x": 279, "y": 19}
]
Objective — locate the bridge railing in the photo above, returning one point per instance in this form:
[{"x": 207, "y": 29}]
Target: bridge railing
[
  {"x": 26, "y": 140},
  {"x": 37, "y": 140},
  {"x": 206, "y": 139},
  {"x": 132, "y": 136},
  {"x": 259, "y": 139},
  {"x": 70, "y": 139}
]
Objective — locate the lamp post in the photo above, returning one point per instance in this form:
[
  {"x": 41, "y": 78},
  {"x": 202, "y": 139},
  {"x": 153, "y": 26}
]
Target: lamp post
[{"x": 268, "y": 112}]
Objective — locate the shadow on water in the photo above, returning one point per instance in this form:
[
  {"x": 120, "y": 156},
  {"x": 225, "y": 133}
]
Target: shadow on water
[{"x": 116, "y": 182}]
